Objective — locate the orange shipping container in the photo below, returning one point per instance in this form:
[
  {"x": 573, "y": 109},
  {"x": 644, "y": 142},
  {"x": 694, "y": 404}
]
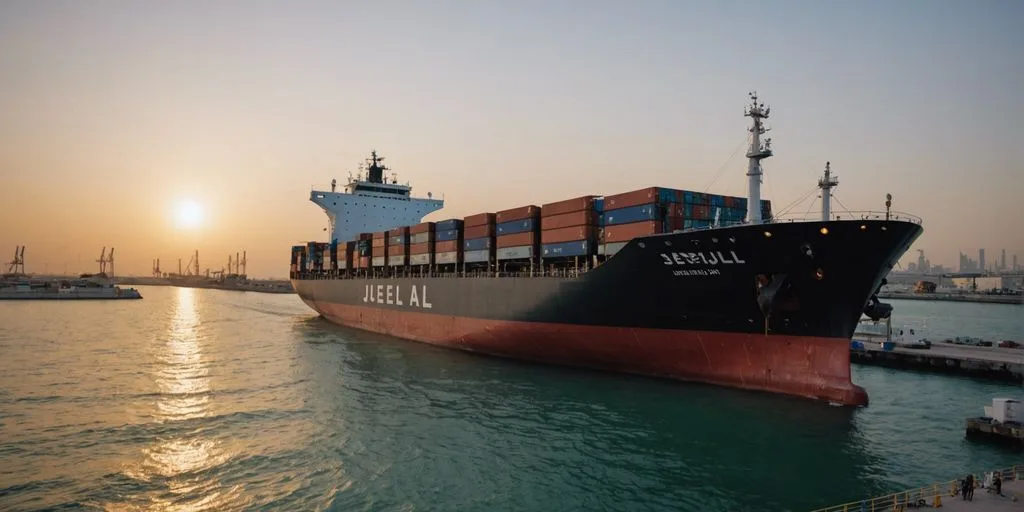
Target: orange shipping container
[
  {"x": 380, "y": 238},
  {"x": 517, "y": 239},
  {"x": 627, "y": 232},
  {"x": 575, "y": 204},
  {"x": 480, "y": 219},
  {"x": 572, "y": 234},
  {"x": 481, "y": 231},
  {"x": 565, "y": 220},
  {"x": 422, "y": 248},
  {"x": 447, "y": 246},
  {"x": 637, "y": 197},
  {"x": 422, "y": 227},
  {"x": 399, "y": 231},
  {"x": 523, "y": 212}
]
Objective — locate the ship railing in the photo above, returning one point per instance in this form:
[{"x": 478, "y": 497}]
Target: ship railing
[
  {"x": 848, "y": 215},
  {"x": 414, "y": 274},
  {"x": 928, "y": 495}
]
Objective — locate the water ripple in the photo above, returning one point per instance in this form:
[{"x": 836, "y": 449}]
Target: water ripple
[{"x": 207, "y": 400}]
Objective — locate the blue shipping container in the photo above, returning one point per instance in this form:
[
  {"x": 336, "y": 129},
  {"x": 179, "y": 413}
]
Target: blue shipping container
[
  {"x": 631, "y": 214},
  {"x": 741, "y": 203},
  {"x": 446, "y": 225},
  {"x": 599, "y": 204},
  {"x": 667, "y": 195},
  {"x": 477, "y": 244},
  {"x": 515, "y": 226},
  {"x": 577, "y": 248},
  {"x": 718, "y": 201},
  {"x": 600, "y": 219},
  {"x": 448, "y": 234}
]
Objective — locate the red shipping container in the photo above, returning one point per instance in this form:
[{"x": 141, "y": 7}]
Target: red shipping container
[
  {"x": 480, "y": 219},
  {"x": 571, "y": 234},
  {"x": 380, "y": 242},
  {"x": 680, "y": 194},
  {"x": 521, "y": 213},
  {"x": 700, "y": 212},
  {"x": 575, "y": 204},
  {"x": 637, "y": 197},
  {"x": 366, "y": 236},
  {"x": 730, "y": 202},
  {"x": 447, "y": 246},
  {"x": 565, "y": 220},
  {"x": 481, "y": 231},
  {"x": 364, "y": 262},
  {"x": 399, "y": 231},
  {"x": 517, "y": 239},
  {"x": 423, "y": 248},
  {"x": 675, "y": 210},
  {"x": 675, "y": 223},
  {"x": 627, "y": 232},
  {"x": 422, "y": 227}
]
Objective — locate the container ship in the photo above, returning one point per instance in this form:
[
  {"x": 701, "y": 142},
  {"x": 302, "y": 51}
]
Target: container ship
[{"x": 658, "y": 281}]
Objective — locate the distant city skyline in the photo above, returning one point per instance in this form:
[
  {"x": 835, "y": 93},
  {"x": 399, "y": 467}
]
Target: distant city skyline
[{"x": 117, "y": 114}]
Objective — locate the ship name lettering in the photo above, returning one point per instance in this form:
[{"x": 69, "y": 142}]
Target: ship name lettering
[
  {"x": 392, "y": 294},
  {"x": 702, "y": 258}
]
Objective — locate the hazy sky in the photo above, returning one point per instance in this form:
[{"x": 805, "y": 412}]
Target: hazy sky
[{"x": 111, "y": 112}]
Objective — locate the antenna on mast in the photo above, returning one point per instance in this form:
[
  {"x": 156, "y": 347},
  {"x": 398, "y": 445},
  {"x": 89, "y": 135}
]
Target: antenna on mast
[
  {"x": 826, "y": 184},
  {"x": 757, "y": 152}
]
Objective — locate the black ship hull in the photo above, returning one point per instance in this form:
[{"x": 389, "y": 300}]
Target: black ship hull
[{"x": 769, "y": 307}]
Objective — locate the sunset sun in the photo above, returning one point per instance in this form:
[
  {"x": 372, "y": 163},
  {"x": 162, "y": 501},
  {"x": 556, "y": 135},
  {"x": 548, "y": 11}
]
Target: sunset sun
[{"x": 188, "y": 214}]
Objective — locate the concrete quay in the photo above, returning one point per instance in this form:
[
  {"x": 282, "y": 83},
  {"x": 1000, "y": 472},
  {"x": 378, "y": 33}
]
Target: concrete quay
[
  {"x": 995, "y": 363},
  {"x": 946, "y": 495}
]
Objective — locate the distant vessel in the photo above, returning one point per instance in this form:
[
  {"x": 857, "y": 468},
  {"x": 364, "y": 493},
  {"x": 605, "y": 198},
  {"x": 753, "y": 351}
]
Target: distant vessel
[
  {"x": 656, "y": 281},
  {"x": 17, "y": 285}
]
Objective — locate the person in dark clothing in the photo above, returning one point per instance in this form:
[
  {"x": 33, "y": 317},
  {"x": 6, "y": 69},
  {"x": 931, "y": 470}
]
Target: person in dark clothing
[
  {"x": 997, "y": 482},
  {"x": 970, "y": 487},
  {"x": 963, "y": 489}
]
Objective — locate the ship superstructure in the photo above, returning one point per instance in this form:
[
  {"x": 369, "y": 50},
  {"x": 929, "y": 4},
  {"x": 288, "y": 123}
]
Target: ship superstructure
[{"x": 372, "y": 204}]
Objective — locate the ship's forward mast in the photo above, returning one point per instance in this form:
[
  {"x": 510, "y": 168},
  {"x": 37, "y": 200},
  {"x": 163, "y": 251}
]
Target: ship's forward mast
[{"x": 757, "y": 152}]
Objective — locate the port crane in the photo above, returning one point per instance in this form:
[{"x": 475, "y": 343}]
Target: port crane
[
  {"x": 105, "y": 260},
  {"x": 16, "y": 267}
]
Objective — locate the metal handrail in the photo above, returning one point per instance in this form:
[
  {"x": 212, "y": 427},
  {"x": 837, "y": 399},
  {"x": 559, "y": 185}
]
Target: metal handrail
[
  {"x": 929, "y": 493},
  {"x": 849, "y": 215}
]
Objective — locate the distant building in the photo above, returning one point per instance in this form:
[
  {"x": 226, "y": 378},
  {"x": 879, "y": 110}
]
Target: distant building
[
  {"x": 1015, "y": 267},
  {"x": 981, "y": 260},
  {"x": 983, "y": 283},
  {"x": 1002, "y": 263}
]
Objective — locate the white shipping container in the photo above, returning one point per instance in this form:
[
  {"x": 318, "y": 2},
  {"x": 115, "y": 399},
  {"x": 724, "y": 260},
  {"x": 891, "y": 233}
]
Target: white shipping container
[
  {"x": 420, "y": 259},
  {"x": 419, "y": 238},
  {"x": 476, "y": 256},
  {"x": 396, "y": 261},
  {"x": 516, "y": 253},
  {"x": 377, "y": 261},
  {"x": 342, "y": 265},
  {"x": 611, "y": 249},
  {"x": 446, "y": 257}
]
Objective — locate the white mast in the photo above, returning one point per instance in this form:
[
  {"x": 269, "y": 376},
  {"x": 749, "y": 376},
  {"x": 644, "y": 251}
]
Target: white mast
[
  {"x": 826, "y": 184},
  {"x": 757, "y": 152}
]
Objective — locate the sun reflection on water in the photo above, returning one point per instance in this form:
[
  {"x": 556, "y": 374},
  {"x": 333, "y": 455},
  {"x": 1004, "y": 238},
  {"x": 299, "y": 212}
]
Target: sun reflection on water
[{"x": 180, "y": 460}]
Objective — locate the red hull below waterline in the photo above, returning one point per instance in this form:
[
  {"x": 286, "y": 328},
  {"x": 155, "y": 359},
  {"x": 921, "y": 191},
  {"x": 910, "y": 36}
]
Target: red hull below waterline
[{"x": 812, "y": 367}]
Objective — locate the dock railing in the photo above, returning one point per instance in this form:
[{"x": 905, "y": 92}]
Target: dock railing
[{"x": 929, "y": 495}]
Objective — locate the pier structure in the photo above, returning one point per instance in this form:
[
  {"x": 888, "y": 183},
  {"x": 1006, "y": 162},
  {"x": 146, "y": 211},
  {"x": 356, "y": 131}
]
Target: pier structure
[
  {"x": 946, "y": 495},
  {"x": 995, "y": 363}
]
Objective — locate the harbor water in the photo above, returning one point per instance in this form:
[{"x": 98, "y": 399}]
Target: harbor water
[{"x": 195, "y": 399}]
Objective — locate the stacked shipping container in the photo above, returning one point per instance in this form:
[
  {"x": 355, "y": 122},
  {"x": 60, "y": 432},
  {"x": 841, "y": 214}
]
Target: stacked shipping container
[
  {"x": 582, "y": 226},
  {"x": 421, "y": 244},
  {"x": 517, "y": 231},
  {"x": 398, "y": 247},
  {"x": 448, "y": 242},
  {"x": 478, "y": 238},
  {"x": 569, "y": 228}
]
